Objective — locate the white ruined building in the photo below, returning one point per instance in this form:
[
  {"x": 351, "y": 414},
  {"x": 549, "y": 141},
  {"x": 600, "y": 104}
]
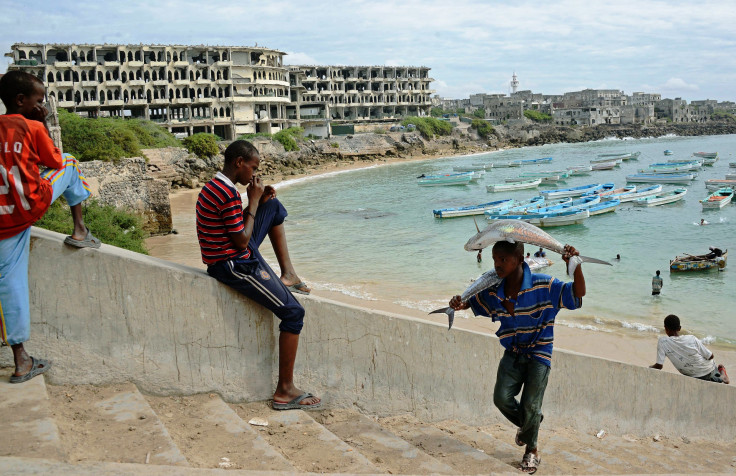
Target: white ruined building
[{"x": 225, "y": 90}]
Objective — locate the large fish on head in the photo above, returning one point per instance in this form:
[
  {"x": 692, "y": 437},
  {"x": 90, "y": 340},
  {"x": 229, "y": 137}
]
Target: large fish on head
[{"x": 512, "y": 231}]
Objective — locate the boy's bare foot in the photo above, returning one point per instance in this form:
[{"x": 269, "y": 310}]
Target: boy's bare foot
[{"x": 722, "y": 370}]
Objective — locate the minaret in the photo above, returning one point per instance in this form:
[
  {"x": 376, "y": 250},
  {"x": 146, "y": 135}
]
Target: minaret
[{"x": 514, "y": 83}]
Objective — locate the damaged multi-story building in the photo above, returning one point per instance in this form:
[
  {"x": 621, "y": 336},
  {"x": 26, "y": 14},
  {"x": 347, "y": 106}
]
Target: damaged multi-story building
[{"x": 224, "y": 90}]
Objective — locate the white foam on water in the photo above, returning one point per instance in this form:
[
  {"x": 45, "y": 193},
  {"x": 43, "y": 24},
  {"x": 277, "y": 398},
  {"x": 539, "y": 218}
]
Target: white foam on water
[
  {"x": 352, "y": 291},
  {"x": 709, "y": 339},
  {"x": 287, "y": 183},
  {"x": 639, "y": 326},
  {"x": 585, "y": 327}
]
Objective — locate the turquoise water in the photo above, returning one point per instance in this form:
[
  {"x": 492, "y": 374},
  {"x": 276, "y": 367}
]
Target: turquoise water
[{"x": 370, "y": 233}]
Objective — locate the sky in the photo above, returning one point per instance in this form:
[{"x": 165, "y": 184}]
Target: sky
[{"x": 676, "y": 48}]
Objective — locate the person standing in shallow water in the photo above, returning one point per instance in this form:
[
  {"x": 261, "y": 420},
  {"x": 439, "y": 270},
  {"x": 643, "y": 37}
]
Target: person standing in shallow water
[
  {"x": 657, "y": 284},
  {"x": 526, "y": 305},
  {"x": 229, "y": 239}
]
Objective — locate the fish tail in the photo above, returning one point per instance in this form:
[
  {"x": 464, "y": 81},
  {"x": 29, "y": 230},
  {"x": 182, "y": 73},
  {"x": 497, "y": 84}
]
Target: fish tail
[
  {"x": 450, "y": 315},
  {"x": 587, "y": 259}
]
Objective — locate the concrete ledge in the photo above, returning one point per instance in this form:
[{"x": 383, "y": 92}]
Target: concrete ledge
[{"x": 111, "y": 315}]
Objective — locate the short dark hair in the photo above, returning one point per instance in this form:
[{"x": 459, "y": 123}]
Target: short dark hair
[
  {"x": 16, "y": 82},
  {"x": 672, "y": 322},
  {"x": 510, "y": 248},
  {"x": 657, "y": 272},
  {"x": 239, "y": 148}
]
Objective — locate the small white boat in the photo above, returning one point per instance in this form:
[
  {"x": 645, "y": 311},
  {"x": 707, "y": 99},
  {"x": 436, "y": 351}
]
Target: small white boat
[
  {"x": 505, "y": 187},
  {"x": 572, "y": 191},
  {"x": 715, "y": 184},
  {"x": 562, "y": 219},
  {"x": 671, "y": 167},
  {"x": 473, "y": 209},
  {"x": 681, "y": 178},
  {"x": 662, "y": 198},
  {"x": 461, "y": 178},
  {"x": 698, "y": 162},
  {"x": 605, "y": 160},
  {"x": 604, "y": 207},
  {"x": 639, "y": 193},
  {"x": 604, "y": 165},
  {"x": 730, "y": 176},
  {"x": 579, "y": 169},
  {"x": 469, "y": 168},
  {"x": 706, "y": 155},
  {"x": 668, "y": 152},
  {"x": 477, "y": 175},
  {"x": 625, "y": 156},
  {"x": 545, "y": 173},
  {"x": 732, "y": 165},
  {"x": 718, "y": 199},
  {"x": 505, "y": 164}
]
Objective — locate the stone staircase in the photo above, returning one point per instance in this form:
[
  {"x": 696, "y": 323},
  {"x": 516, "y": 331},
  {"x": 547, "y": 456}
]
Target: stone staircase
[{"x": 117, "y": 430}]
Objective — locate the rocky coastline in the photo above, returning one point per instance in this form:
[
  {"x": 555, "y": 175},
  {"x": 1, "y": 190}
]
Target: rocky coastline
[{"x": 143, "y": 184}]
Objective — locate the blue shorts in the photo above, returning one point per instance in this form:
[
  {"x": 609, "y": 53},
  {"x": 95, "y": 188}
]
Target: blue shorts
[
  {"x": 255, "y": 279},
  {"x": 15, "y": 314}
]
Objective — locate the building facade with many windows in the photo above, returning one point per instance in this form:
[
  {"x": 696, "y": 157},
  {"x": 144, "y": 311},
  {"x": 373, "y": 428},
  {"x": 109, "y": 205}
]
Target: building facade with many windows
[{"x": 225, "y": 90}]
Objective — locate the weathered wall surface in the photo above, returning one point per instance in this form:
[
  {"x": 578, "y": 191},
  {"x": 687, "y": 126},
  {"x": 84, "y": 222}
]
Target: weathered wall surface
[
  {"x": 110, "y": 316},
  {"x": 126, "y": 184}
]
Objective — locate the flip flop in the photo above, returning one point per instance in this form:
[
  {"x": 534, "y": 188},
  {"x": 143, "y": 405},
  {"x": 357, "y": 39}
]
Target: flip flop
[
  {"x": 295, "y": 405},
  {"x": 89, "y": 241},
  {"x": 39, "y": 366},
  {"x": 299, "y": 287}
]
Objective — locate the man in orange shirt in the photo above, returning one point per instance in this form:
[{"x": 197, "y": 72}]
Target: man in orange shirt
[{"x": 25, "y": 195}]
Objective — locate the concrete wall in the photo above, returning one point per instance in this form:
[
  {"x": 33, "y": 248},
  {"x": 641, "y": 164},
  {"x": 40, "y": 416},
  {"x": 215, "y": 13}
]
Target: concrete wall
[{"x": 110, "y": 315}]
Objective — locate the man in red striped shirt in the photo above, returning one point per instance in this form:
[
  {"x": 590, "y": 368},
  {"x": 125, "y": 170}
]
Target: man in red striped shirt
[
  {"x": 229, "y": 237},
  {"x": 25, "y": 195}
]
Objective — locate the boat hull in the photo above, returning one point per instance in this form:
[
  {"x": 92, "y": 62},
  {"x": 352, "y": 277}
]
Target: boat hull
[
  {"x": 698, "y": 263},
  {"x": 661, "y": 199}
]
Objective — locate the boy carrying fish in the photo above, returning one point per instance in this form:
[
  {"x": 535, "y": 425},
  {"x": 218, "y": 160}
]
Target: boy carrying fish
[{"x": 526, "y": 305}]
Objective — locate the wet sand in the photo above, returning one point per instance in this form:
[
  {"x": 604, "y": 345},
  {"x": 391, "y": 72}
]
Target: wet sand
[{"x": 626, "y": 346}]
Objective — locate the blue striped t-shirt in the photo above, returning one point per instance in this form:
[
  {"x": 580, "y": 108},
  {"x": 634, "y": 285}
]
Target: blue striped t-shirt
[{"x": 531, "y": 329}]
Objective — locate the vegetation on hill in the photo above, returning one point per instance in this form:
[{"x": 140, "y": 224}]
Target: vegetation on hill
[
  {"x": 202, "y": 145},
  {"x": 537, "y": 116},
  {"x": 110, "y": 139},
  {"x": 429, "y": 126},
  {"x": 480, "y": 113},
  {"x": 289, "y": 138},
  {"x": 113, "y": 226},
  {"x": 723, "y": 116},
  {"x": 484, "y": 128}
]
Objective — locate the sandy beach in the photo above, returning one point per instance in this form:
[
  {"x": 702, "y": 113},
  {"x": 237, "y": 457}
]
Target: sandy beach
[{"x": 628, "y": 347}]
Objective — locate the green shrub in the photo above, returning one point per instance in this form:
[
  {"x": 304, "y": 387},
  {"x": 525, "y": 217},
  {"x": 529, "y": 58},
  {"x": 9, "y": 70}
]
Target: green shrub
[
  {"x": 379, "y": 130},
  {"x": 111, "y": 225},
  {"x": 288, "y": 138},
  {"x": 110, "y": 139},
  {"x": 202, "y": 145},
  {"x": 484, "y": 128},
  {"x": 429, "y": 126},
  {"x": 334, "y": 145},
  {"x": 250, "y": 137},
  {"x": 480, "y": 113},
  {"x": 537, "y": 116}
]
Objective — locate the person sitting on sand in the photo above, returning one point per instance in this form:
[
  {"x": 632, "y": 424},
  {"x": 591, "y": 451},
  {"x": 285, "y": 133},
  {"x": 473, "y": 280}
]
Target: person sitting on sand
[
  {"x": 230, "y": 237},
  {"x": 688, "y": 354},
  {"x": 526, "y": 304}
]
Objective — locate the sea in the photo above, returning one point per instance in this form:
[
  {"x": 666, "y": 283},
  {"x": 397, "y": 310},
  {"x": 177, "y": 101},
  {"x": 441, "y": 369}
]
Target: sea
[{"x": 370, "y": 233}]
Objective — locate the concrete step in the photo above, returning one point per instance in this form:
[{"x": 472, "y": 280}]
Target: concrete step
[
  {"x": 29, "y": 430},
  {"x": 111, "y": 424},
  {"x": 384, "y": 449},
  {"x": 212, "y": 435},
  {"x": 306, "y": 444},
  {"x": 490, "y": 443},
  {"x": 461, "y": 457}
]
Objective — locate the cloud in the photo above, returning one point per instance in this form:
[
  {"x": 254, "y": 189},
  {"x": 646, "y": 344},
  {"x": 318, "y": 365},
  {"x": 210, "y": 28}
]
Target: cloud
[
  {"x": 297, "y": 57},
  {"x": 679, "y": 84}
]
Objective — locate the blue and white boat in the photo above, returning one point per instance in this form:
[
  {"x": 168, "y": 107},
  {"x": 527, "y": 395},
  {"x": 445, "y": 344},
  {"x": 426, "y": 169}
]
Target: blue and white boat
[
  {"x": 662, "y": 198},
  {"x": 561, "y": 217},
  {"x": 520, "y": 207},
  {"x": 604, "y": 207},
  {"x": 668, "y": 152},
  {"x": 573, "y": 191},
  {"x": 461, "y": 178},
  {"x": 543, "y": 160},
  {"x": 578, "y": 203},
  {"x": 681, "y": 178},
  {"x": 473, "y": 209},
  {"x": 631, "y": 196},
  {"x": 505, "y": 187}
]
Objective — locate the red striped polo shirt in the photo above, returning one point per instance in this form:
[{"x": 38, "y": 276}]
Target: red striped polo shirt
[{"x": 219, "y": 213}]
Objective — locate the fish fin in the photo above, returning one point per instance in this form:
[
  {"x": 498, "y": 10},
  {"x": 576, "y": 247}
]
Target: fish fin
[
  {"x": 450, "y": 315},
  {"x": 587, "y": 259}
]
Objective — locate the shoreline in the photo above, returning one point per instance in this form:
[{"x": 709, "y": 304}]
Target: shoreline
[{"x": 627, "y": 346}]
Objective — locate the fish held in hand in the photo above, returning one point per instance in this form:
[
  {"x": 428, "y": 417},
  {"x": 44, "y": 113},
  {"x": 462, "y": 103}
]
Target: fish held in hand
[
  {"x": 485, "y": 281},
  {"x": 517, "y": 230}
]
